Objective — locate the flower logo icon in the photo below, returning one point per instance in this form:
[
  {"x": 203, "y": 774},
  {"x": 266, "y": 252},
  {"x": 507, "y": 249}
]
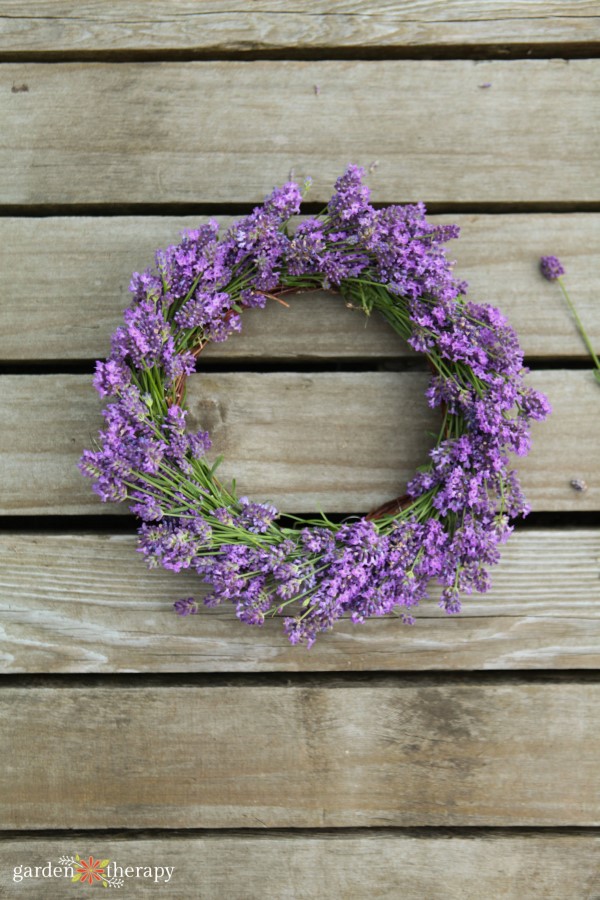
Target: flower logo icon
[{"x": 90, "y": 871}]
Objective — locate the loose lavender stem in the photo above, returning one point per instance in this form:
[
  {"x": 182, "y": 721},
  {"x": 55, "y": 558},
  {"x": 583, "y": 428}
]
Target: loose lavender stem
[
  {"x": 552, "y": 269},
  {"x": 580, "y": 327}
]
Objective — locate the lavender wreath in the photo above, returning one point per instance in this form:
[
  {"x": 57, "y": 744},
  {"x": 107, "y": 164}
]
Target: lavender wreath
[{"x": 457, "y": 509}]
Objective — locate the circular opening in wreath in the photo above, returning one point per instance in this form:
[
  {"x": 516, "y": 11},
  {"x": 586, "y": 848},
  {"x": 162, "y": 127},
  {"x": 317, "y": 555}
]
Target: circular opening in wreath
[{"x": 342, "y": 431}]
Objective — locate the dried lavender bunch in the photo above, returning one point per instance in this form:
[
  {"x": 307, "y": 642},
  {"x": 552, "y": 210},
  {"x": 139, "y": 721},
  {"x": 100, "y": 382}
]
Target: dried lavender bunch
[{"x": 459, "y": 504}]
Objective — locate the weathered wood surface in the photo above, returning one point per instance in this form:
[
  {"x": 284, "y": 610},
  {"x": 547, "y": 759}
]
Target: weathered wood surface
[
  {"x": 384, "y": 753},
  {"x": 226, "y": 132},
  {"x": 330, "y": 866},
  {"x": 63, "y": 286},
  {"x": 392, "y": 752},
  {"x": 86, "y": 603},
  {"x": 56, "y": 27},
  {"x": 341, "y": 442}
]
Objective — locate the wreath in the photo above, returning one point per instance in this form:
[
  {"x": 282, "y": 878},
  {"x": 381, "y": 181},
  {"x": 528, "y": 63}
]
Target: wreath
[{"x": 456, "y": 512}]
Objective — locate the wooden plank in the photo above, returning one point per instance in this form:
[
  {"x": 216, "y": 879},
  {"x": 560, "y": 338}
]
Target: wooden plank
[
  {"x": 342, "y": 442},
  {"x": 387, "y": 752},
  {"x": 306, "y": 441},
  {"x": 86, "y": 603},
  {"x": 62, "y": 299},
  {"x": 226, "y": 132},
  {"x": 55, "y": 27},
  {"x": 331, "y": 866}
]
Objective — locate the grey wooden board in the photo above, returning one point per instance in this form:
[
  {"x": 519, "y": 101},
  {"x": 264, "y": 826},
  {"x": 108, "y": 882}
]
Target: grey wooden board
[
  {"x": 226, "y": 132},
  {"x": 391, "y": 752},
  {"x": 63, "y": 286},
  {"x": 87, "y": 603},
  {"x": 341, "y": 442},
  {"x": 434, "y": 750},
  {"x": 328, "y": 866},
  {"x": 55, "y": 27}
]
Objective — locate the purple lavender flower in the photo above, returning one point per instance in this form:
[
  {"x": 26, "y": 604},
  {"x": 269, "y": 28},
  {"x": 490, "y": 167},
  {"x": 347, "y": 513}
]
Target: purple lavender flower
[
  {"x": 351, "y": 197},
  {"x": 255, "y": 517},
  {"x": 551, "y": 267},
  {"x": 202, "y": 308},
  {"x": 285, "y": 201},
  {"x": 111, "y": 377},
  {"x": 185, "y": 607}
]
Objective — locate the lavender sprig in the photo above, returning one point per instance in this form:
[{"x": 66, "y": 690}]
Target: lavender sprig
[{"x": 552, "y": 269}]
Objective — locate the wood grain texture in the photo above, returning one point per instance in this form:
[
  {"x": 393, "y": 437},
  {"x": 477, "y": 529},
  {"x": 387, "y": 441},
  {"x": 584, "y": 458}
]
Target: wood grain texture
[
  {"x": 226, "y": 132},
  {"x": 63, "y": 286},
  {"x": 391, "y": 752},
  {"x": 89, "y": 27},
  {"x": 331, "y": 866},
  {"x": 341, "y": 442},
  {"x": 374, "y": 754},
  {"x": 86, "y": 603}
]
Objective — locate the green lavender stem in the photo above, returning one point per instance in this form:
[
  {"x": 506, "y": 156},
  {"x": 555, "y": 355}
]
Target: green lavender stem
[{"x": 581, "y": 329}]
